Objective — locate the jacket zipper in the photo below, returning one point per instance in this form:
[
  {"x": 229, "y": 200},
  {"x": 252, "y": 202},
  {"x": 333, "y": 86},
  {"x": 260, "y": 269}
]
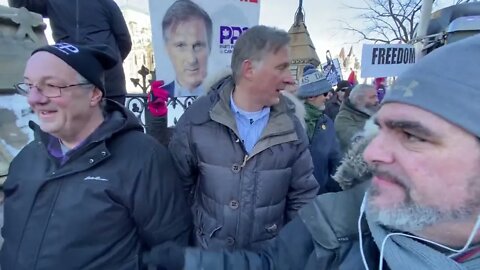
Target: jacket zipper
[{"x": 77, "y": 27}]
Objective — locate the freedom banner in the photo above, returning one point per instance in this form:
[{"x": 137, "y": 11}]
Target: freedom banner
[{"x": 386, "y": 60}]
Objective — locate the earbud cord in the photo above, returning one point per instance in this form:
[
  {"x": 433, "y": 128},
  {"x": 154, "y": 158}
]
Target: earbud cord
[{"x": 456, "y": 251}]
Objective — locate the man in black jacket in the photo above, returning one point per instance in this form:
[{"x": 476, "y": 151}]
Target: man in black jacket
[
  {"x": 92, "y": 191},
  {"x": 89, "y": 22}
]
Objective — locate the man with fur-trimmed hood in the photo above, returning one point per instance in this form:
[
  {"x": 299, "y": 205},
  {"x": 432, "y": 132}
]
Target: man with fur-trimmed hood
[
  {"x": 241, "y": 152},
  {"x": 420, "y": 210}
]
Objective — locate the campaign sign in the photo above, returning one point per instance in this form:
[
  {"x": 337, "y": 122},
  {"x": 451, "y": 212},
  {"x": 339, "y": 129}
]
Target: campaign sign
[
  {"x": 386, "y": 60},
  {"x": 194, "y": 40}
]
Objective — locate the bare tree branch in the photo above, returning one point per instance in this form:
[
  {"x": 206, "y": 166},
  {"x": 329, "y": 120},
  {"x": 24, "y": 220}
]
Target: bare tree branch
[{"x": 387, "y": 21}]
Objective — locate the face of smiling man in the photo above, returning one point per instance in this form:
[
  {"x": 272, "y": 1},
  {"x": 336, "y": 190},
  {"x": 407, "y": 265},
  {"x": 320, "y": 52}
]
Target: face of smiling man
[{"x": 69, "y": 115}]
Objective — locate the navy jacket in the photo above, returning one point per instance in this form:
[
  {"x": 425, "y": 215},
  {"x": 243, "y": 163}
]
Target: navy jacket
[
  {"x": 116, "y": 197},
  {"x": 326, "y": 154}
]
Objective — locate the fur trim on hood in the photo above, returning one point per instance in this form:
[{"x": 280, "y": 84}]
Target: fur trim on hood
[
  {"x": 300, "y": 111},
  {"x": 213, "y": 80},
  {"x": 353, "y": 169}
]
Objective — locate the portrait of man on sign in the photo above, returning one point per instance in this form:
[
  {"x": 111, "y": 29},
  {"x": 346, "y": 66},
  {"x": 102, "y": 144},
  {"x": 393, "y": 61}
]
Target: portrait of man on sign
[{"x": 187, "y": 34}]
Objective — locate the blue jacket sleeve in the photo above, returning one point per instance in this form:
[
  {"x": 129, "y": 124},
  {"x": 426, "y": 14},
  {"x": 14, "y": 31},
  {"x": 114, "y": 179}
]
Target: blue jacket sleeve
[
  {"x": 119, "y": 29},
  {"x": 37, "y": 6},
  {"x": 158, "y": 202}
]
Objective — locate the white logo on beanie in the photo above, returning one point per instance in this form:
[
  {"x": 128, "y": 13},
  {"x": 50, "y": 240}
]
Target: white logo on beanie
[{"x": 66, "y": 48}]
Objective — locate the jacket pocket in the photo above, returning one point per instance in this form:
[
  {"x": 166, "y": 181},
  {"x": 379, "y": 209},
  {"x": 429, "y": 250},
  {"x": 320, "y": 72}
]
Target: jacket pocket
[{"x": 206, "y": 227}]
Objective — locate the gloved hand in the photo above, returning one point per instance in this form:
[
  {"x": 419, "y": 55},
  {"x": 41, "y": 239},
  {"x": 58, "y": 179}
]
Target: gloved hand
[
  {"x": 169, "y": 255},
  {"x": 157, "y": 99}
]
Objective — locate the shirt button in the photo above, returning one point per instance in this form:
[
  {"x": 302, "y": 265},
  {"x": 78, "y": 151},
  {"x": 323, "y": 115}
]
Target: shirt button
[
  {"x": 104, "y": 153},
  {"x": 230, "y": 241},
  {"x": 236, "y": 168},
  {"x": 91, "y": 161},
  {"x": 234, "y": 204}
]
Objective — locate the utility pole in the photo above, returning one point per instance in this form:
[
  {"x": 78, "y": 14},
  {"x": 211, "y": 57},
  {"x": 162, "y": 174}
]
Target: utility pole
[{"x": 425, "y": 15}]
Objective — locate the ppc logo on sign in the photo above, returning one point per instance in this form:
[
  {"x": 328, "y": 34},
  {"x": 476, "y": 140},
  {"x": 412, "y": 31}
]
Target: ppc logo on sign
[
  {"x": 228, "y": 37},
  {"x": 230, "y": 34}
]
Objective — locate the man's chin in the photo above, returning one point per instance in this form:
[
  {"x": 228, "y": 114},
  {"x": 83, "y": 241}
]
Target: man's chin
[
  {"x": 384, "y": 198},
  {"x": 191, "y": 85}
]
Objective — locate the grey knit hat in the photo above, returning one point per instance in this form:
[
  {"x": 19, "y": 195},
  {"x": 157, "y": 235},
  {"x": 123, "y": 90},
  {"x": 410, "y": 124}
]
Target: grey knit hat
[
  {"x": 313, "y": 83},
  {"x": 444, "y": 82}
]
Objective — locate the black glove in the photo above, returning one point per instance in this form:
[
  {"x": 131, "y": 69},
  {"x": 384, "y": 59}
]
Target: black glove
[{"x": 169, "y": 255}]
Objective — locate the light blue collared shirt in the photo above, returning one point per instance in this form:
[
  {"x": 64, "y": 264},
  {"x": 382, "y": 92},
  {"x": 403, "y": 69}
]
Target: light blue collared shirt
[
  {"x": 183, "y": 92},
  {"x": 250, "y": 124}
]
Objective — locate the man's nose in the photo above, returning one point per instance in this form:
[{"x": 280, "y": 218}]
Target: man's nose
[
  {"x": 191, "y": 57},
  {"x": 35, "y": 97},
  {"x": 378, "y": 150},
  {"x": 288, "y": 79}
]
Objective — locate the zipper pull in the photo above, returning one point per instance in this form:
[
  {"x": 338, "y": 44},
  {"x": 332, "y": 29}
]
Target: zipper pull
[{"x": 244, "y": 161}]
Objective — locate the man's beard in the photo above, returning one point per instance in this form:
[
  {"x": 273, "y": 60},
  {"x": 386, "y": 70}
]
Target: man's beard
[
  {"x": 370, "y": 109},
  {"x": 409, "y": 216}
]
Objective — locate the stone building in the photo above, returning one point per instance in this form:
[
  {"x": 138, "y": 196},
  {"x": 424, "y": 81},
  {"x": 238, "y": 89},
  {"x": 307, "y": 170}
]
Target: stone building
[{"x": 137, "y": 17}]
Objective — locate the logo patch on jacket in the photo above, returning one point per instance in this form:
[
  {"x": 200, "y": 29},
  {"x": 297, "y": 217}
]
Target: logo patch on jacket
[{"x": 95, "y": 178}]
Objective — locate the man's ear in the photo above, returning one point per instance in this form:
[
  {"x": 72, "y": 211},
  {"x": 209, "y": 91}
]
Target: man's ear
[
  {"x": 248, "y": 69},
  {"x": 97, "y": 96}
]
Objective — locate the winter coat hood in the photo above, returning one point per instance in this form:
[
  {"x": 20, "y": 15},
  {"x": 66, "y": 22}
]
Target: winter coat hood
[{"x": 353, "y": 169}]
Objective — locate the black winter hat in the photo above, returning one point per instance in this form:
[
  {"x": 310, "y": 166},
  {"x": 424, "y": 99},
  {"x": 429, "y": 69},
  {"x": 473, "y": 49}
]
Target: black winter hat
[{"x": 91, "y": 61}]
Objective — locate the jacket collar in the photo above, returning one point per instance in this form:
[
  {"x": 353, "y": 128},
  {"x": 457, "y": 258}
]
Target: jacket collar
[
  {"x": 280, "y": 127},
  {"x": 348, "y": 106}
]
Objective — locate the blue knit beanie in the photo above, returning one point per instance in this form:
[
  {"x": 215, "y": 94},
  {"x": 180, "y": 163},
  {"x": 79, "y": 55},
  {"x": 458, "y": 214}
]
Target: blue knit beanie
[
  {"x": 444, "y": 82},
  {"x": 313, "y": 83}
]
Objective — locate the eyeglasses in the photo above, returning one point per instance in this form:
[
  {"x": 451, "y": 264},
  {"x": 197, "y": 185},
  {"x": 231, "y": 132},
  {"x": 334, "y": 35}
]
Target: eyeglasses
[{"x": 47, "y": 90}]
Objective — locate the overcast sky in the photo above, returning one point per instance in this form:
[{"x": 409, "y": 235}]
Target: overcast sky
[{"x": 322, "y": 19}]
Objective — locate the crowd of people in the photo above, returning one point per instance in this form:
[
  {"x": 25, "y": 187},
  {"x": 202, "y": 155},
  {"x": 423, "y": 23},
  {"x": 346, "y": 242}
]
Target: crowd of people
[{"x": 258, "y": 174}]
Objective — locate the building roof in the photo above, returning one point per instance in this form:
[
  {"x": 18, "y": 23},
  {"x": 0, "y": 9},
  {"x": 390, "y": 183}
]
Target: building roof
[{"x": 301, "y": 45}]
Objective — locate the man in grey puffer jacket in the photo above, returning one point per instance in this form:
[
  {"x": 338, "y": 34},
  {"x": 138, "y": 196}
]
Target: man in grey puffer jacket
[{"x": 241, "y": 151}]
